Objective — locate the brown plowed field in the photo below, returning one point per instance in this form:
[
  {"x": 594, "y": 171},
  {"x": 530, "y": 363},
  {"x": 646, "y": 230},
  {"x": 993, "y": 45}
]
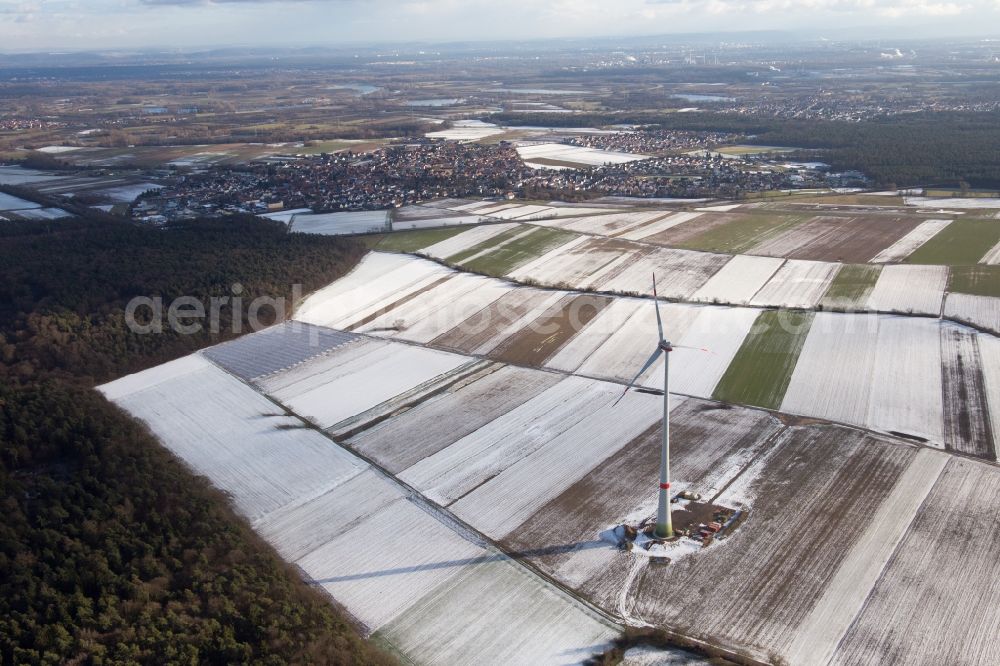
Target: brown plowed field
[
  {"x": 480, "y": 327},
  {"x": 966, "y": 411},
  {"x": 685, "y": 231},
  {"x": 709, "y": 445},
  {"x": 812, "y": 498},
  {"x": 830, "y": 238},
  {"x": 541, "y": 338}
]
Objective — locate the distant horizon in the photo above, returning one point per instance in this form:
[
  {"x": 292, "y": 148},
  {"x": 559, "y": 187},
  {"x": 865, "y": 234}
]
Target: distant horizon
[
  {"x": 64, "y": 26},
  {"x": 703, "y": 38}
]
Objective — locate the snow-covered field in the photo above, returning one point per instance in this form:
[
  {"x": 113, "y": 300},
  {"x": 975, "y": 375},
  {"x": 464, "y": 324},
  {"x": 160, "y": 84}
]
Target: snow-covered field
[
  {"x": 12, "y": 203},
  {"x": 906, "y": 245},
  {"x": 396, "y": 566},
  {"x": 679, "y": 273},
  {"x": 739, "y": 280},
  {"x": 659, "y": 226},
  {"x": 465, "y": 240},
  {"x": 797, "y": 284},
  {"x": 544, "y": 458},
  {"x": 15, "y": 175},
  {"x": 608, "y": 224},
  {"x": 877, "y": 371},
  {"x": 937, "y": 600},
  {"x": 542, "y": 462},
  {"x": 577, "y": 262},
  {"x": 228, "y": 432},
  {"x": 992, "y": 257},
  {"x": 612, "y": 321},
  {"x": 42, "y": 214},
  {"x": 572, "y": 154},
  {"x": 960, "y": 203},
  {"x": 334, "y": 224},
  {"x": 717, "y": 330},
  {"x": 379, "y": 280},
  {"x": 633, "y": 339},
  {"x": 435, "y": 222},
  {"x": 495, "y": 613},
  {"x": 906, "y": 388},
  {"x": 832, "y": 378},
  {"x": 846, "y": 593},
  {"x": 981, "y": 311},
  {"x": 356, "y": 377},
  {"x": 909, "y": 289},
  {"x": 128, "y": 193},
  {"x": 433, "y": 312},
  {"x": 444, "y": 418},
  {"x": 989, "y": 351},
  {"x": 467, "y": 130}
]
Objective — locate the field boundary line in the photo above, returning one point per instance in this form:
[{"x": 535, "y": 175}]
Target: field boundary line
[{"x": 846, "y": 594}]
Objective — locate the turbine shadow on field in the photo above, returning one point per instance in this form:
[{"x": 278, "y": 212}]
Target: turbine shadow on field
[{"x": 499, "y": 557}]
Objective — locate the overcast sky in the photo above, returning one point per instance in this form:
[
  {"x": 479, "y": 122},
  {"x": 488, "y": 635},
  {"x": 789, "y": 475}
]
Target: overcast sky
[{"x": 103, "y": 24}]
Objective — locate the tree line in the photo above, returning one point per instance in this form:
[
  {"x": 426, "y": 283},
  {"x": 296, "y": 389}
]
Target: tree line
[
  {"x": 111, "y": 550},
  {"x": 926, "y": 148}
]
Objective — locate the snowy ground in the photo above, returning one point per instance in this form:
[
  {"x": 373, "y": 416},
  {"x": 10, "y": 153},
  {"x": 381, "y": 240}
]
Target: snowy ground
[
  {"x": 572, "y": 154},
  {"x": 434, "y": 592},
  {"x": 543, "y": 462}
]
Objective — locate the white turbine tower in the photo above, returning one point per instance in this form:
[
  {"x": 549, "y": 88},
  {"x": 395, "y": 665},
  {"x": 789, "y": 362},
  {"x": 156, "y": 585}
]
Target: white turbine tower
[{"x": 664, "y": 524}]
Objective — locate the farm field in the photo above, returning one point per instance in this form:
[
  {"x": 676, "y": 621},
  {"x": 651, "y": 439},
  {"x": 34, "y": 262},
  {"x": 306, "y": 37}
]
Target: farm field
[
  {"x": 835, "y": 519},
  {"x": 925, "y": 623},
  {"x": 340, "y": 223},
  {"x": 595, "y": 252},
  {"x": 851, "y": 287},
  {"x": 411, "y": 241},
  {"x": 878, "y": 371},
  {"x": 654, "y": 228},
  {"x": 835, "y": 238},
  {"x": 964, "y": 241},
  {"x": 909, "y": 289},
  {"x": 12, "y": 203},
  {"x": 519, "y": 250},
  {"x": 912, "y": 241},
  {"x": 320, "y": 390},
  {"x": 548, "y": 155},
  {"x": 980, "y": 311},
  {"x": 742, "y": 231},
  {"x": 584, "y": 262},
  {"x": 797, "y": 284},
  {"x": 350, "y": 528},
  {"x": 237, "y": 438},
  {"x": 975, "y": 280},
  {"x": 608, "y": 224},
  {"x": 992, "y": 257},
  {"x": 773, "y": 577},
  {"x": 739, "y": 280},
  {"x": 762, "y": 368}
]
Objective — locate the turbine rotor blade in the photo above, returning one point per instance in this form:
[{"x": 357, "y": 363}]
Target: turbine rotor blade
[
  {"x": 656, "y": 304},
  {"x": 701, "y": 349},
  {"x": 649, "y": 363}
]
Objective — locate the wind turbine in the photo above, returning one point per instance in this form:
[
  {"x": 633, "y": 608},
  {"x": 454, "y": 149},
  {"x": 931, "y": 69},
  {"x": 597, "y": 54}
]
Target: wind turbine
[{"x": 664, "y": 524}]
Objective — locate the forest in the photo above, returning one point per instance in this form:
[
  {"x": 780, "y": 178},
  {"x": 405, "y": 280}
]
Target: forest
[
  {"x": 926, "y": 149},
  {"x": 111, "y": 550}
]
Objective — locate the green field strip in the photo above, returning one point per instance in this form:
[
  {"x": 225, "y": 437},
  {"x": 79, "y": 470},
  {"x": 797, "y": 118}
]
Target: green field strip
[
  {"x": 963, "y": 242},
  {"x": 520, "y": 251},
  {"x": 975, "y": 280},
  {"x": 743, "y": 233},
  {"x": 851, "y": 286},
  {"x": 485, "y": 245},
  {"x": 411, "y": 241},
  {"x": 761, "y": 370}
]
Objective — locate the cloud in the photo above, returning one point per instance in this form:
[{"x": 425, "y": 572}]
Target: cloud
[{"x": 181, "y": 23}]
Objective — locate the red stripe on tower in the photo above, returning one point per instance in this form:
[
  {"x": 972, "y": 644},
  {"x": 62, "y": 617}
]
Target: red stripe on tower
[{"x": 664, "y": 486}]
